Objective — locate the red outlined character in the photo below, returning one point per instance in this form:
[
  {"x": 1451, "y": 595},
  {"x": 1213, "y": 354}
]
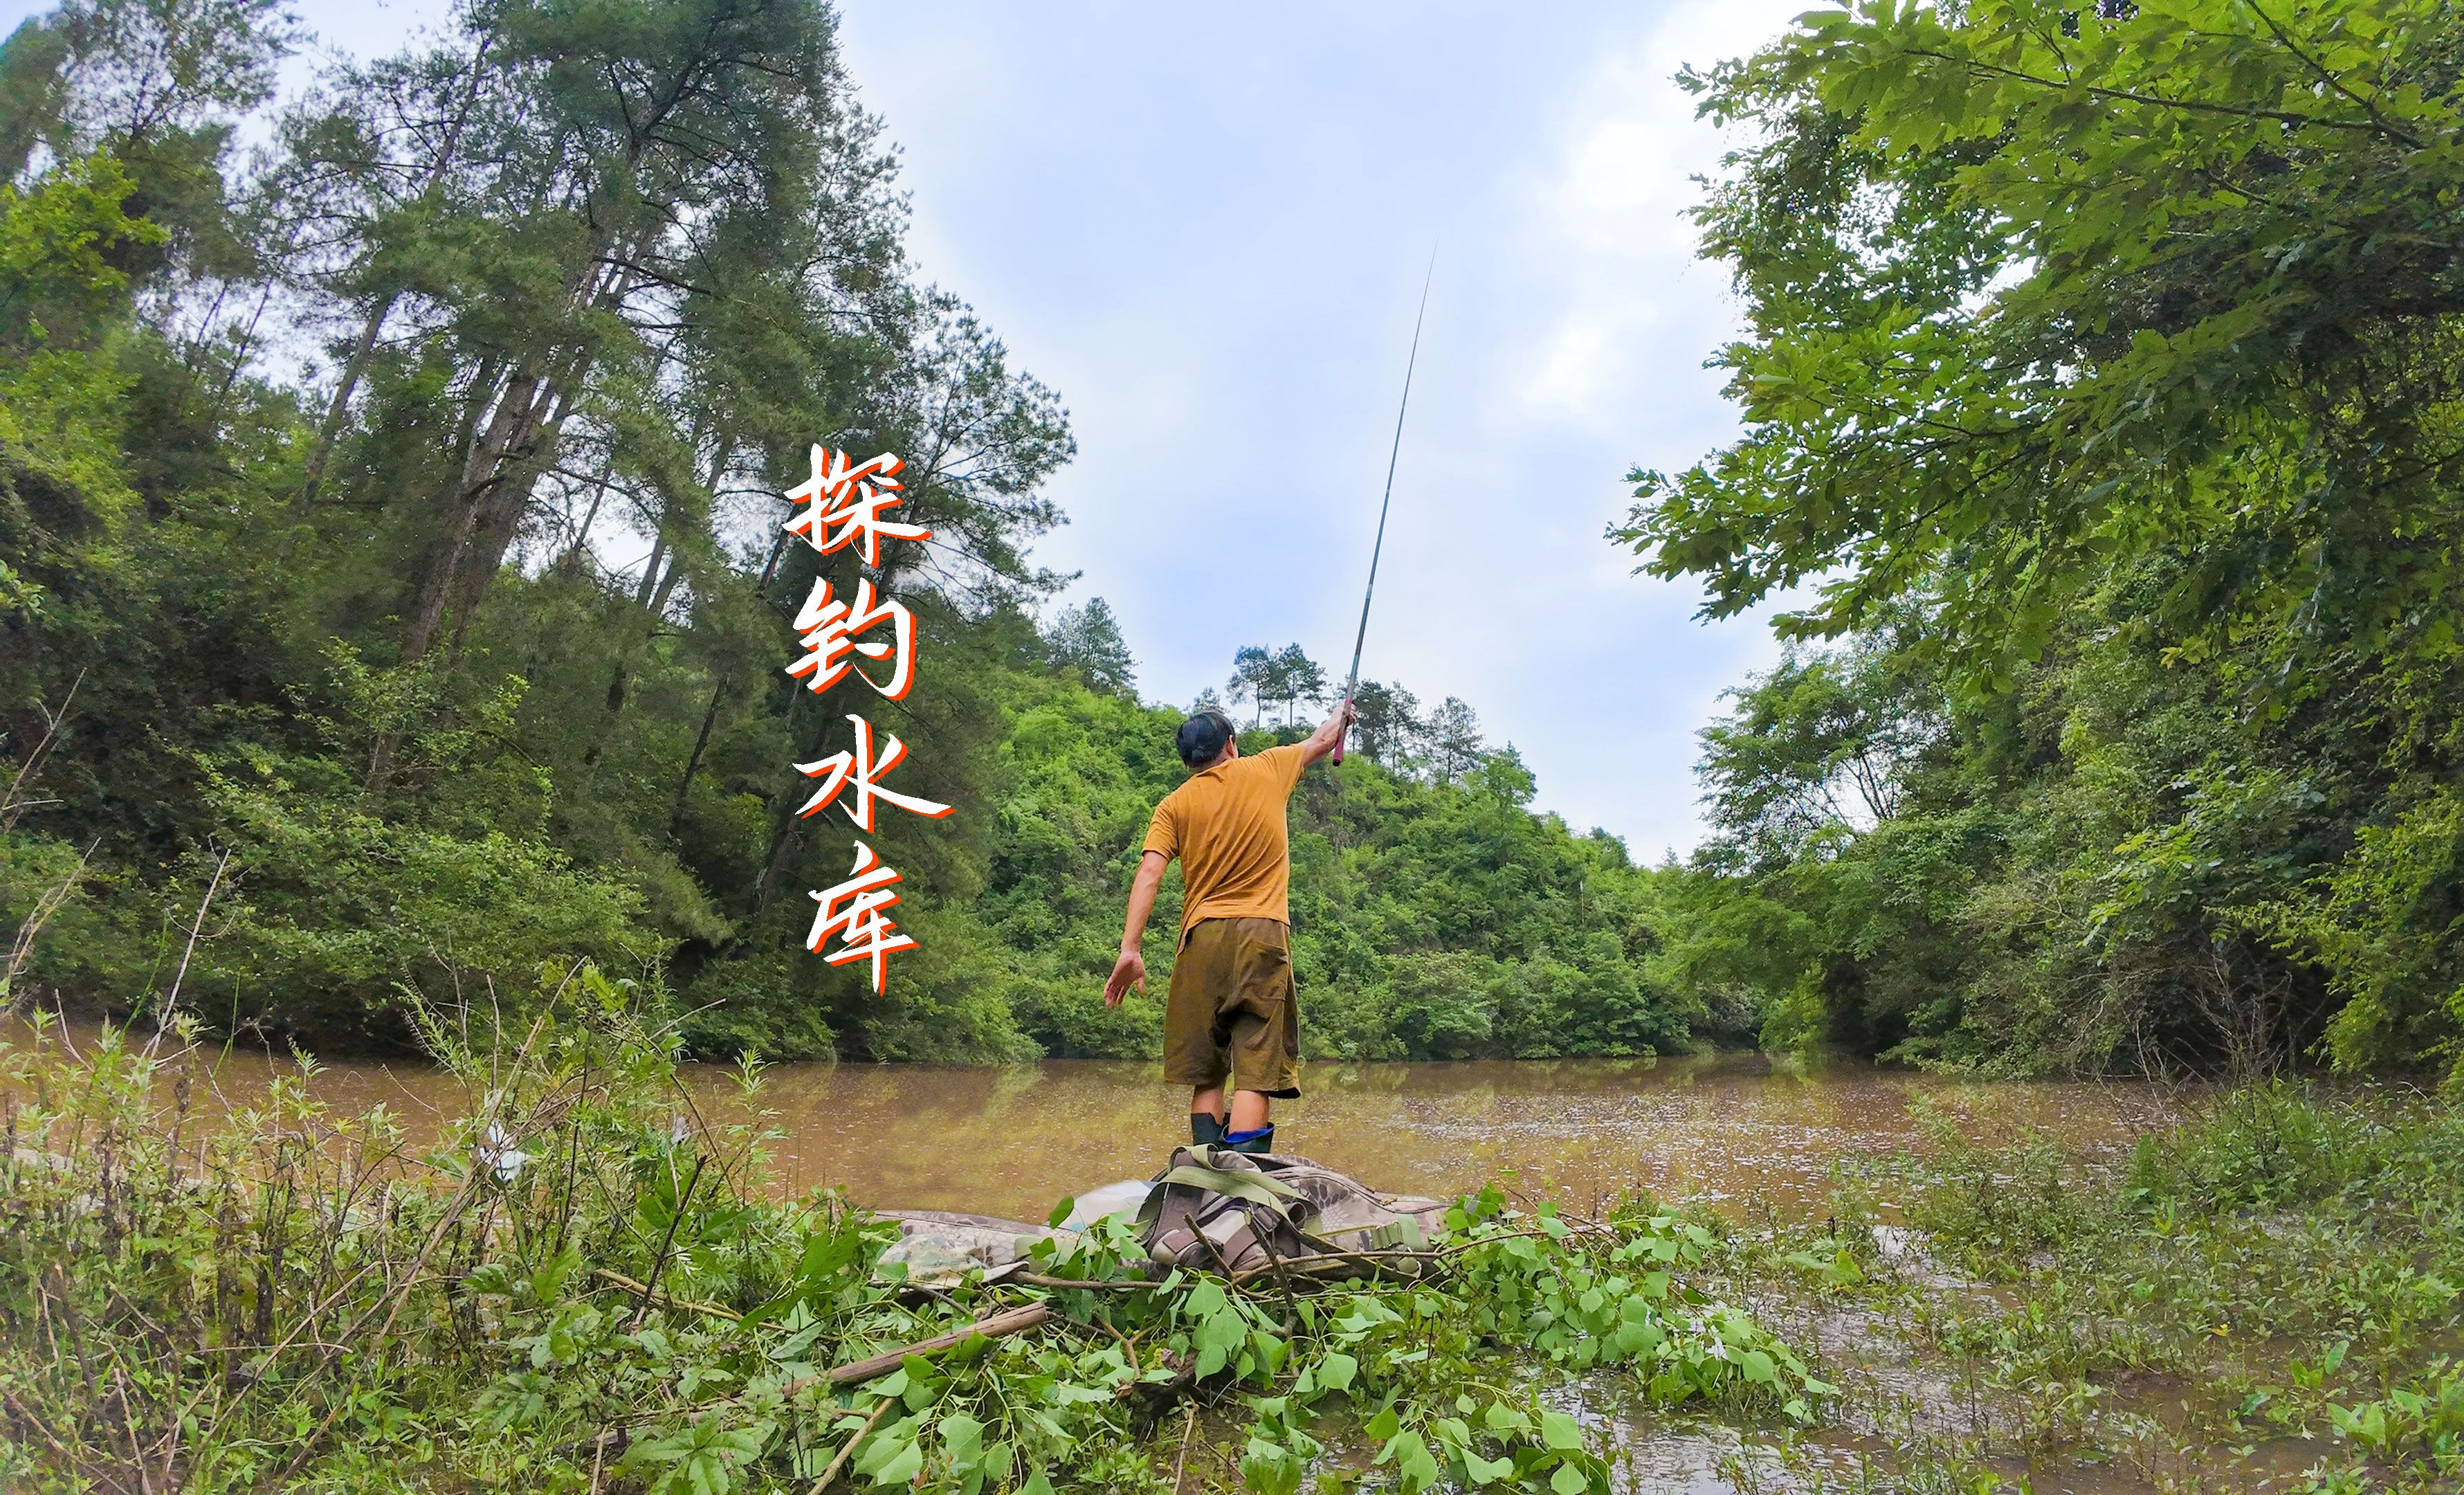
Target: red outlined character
[
  {"x": 858, "y": 766},
  {"x": 843, "y": 504},
  {"x": 851, "y": 910},
  {"x": 829, "y": 628}
]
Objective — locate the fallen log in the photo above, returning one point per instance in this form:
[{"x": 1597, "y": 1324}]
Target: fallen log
[{"x": 1009, "y": 1321}]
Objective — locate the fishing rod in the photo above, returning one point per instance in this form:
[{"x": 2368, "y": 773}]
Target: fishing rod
[{"x": 1352, "y": 682}]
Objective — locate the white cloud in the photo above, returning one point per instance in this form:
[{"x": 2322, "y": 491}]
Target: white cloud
[{"x": 1610, "y": 217}]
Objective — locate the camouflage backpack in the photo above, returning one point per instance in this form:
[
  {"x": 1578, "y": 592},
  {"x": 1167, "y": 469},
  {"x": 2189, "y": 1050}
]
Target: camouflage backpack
[{"x": 1217, "y": 1210}]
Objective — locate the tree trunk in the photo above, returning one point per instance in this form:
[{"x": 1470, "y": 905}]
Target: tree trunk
[
  {"x": 503, "y": 464},
  {"x": 718, "y": 693},
  {"x": 650, "y": 568},
  {"x": 528, "y": 449},
  {"x": 651, "y": 597},
  {"x": 657, "y": 605},
  {"x": 340, "y": 406},
  {"x": 784, "y": 823},
  {"x": 427, "y": 609},
  {"x": 484, "y": 472},
  {"x": 369, "y": 331},
  {"x": 572, "y": 558},
  {"x": 503, "y": 505},
  {"x": 701, "y": 744}
]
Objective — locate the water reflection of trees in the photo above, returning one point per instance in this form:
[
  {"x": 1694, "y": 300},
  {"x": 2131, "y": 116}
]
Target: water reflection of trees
[{"x": 1013, "y": 1140}]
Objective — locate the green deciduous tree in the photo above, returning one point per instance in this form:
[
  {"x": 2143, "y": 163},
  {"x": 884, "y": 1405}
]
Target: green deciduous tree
[{"x": 2100, "y": 375}]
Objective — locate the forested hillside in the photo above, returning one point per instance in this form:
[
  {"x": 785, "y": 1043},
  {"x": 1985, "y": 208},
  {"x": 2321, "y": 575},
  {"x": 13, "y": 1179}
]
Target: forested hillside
[
  {"x": 2102, "y": 380},
  {"x": 1434, "y": 915},
  {"x": 333, "y": 431}
]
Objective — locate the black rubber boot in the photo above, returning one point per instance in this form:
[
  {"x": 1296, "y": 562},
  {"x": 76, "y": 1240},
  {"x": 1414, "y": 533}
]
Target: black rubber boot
[
  {"x": 1204, "y": 1130},
  {"x": 1262, "y": 1140}
]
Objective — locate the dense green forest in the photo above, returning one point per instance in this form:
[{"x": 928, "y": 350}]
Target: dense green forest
[
  {"x": 2103, "y": 405},
  {"x": 319, "y": 420},
  {"x": 2100, "y": 455}
]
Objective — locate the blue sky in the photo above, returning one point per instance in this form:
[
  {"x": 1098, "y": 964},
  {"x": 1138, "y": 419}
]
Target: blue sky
[{"x": 1207, "y": 227}]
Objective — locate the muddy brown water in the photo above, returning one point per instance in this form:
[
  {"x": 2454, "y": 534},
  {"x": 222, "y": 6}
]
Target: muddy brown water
[{"x": 1736, "y": 1131}]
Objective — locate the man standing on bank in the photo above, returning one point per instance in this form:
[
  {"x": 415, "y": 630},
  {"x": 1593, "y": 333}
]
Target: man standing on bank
[{"x": 1230, "y": 1021}]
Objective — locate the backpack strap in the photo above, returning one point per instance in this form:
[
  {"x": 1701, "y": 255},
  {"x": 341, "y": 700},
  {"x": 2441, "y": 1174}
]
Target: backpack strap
[
  {"x": 1254, "y": 1188},
  {"x": 1187, "y": 1198}
]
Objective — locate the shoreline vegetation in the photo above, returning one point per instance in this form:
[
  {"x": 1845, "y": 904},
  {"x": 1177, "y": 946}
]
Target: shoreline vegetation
[{"x": 586, "y": 1285}]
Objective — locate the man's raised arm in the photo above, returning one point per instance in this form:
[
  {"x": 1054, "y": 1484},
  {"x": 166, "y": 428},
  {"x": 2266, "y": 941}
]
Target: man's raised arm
[
  {"x": 1329, "y": 732},
  {"x": 1131, "y": 969}
]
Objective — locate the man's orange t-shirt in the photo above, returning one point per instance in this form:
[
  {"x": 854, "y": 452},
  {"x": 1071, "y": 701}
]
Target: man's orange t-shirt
[{"x": 1226, "y": 825}]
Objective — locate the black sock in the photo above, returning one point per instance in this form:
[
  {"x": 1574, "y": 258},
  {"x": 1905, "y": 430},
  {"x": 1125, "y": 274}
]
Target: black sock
[{"x": 1204, "y": 1129}]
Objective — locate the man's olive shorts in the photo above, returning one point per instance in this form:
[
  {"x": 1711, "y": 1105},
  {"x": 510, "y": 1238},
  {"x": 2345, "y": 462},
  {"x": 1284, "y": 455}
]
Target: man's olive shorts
[{"x": 1231, "y": 1013}]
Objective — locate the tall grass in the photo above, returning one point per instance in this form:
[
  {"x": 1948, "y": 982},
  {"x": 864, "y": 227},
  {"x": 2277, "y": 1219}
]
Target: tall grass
[{"x": 287, "y": 1292}]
